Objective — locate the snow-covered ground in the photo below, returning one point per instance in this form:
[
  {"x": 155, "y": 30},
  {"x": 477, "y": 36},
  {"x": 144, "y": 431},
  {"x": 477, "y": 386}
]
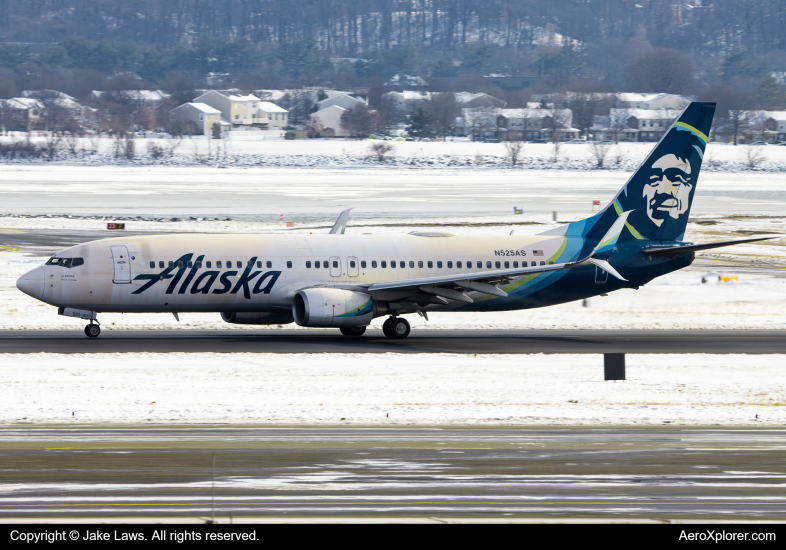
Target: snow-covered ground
[
  {"x": 391, "y": 389},
  {"x": 456, "y": 152}
]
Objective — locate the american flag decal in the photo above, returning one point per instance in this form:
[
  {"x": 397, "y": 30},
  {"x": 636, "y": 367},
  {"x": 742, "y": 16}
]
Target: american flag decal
[{"x": 537, "y": 253}]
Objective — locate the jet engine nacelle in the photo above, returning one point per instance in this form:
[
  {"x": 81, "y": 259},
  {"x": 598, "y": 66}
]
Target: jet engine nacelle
[
  {"x": 332, "y": 307},
  {"x": 256, "y": 317}
]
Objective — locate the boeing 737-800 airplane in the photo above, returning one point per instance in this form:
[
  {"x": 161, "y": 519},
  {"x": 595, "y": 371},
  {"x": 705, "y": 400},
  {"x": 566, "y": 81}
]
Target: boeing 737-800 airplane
[{"x": 345, "y": 281}]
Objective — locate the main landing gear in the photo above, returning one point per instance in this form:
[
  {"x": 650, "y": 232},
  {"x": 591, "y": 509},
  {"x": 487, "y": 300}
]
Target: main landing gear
[
  {"x": 352, "y": 331},
  {"x": 92, "y": 330},
  {"x": 396, "y": 327}
]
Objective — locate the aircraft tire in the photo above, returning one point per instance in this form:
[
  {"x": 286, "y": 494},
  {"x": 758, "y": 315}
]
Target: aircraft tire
[
  {"x": 387, "y": 329},
  {"x": 92, "y": 331},
  {"x": 399, "y": 328},
  {"x": 352, "y": 331}
]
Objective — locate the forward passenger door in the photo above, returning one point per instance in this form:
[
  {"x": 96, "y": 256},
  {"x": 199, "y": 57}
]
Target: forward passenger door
[{"x": 122, "y": 264}]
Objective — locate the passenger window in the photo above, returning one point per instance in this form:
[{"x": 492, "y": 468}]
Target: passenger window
[
  {"x": 420, "y": 264},
  {"x": 497, "y": 265},
  {"x": 199, "y": 265},
  {"x": 161, "y": 264},
  {"x": 239, "y": 264},
  {"x": 352, "y": 263},
  {"x": 259, "y": 264},
  {"x": 180, "y": 264},
  {"x": 289, "y": 264},
  {"x": 316, "y": 264},
  {"x": 269, "y": 264},
  {"x": 450, "y": 265},
  {"x": 533, "y": 264},
  {"x": 325, "y": 264},
  {"x": 209, "y": 264},
  {"x": 411, "y": 264},
  {"x": 515, "y": 265},
  {"x": 542, "y": 263},
  {"x": 458, "y": 265},
  {"x": 172, "y": 264},
  {"x": 218, "y": 265},
  {"x": 363, "y": 264},
  {"x": 507, "y": 265},
  {"x": 488, "y": 265},
  {"x": 335, "y": 263},
  {"x": 77, "y": 262},
  {"x": 402, "y": 265},
  {"x": 308, "y": 265},
  {"x": 551, "y": 263},
  {"x": 431, "y": 265},
  {"x": 439, "y": 265},
  {"x": 384, "y": 263},
  {"x": 190, "y": 265},
  {"x": 249, "y": 264},
  {"x": 152, "y": 264},
  {"x": 373, "y": 263}
]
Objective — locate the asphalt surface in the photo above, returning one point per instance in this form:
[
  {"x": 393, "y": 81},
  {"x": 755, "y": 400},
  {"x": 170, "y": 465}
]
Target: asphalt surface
[
  {"x": 419, "y": 341},
  {"x": 660, "y": 473}
]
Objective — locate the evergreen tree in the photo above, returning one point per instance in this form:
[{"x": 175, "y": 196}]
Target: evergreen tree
[
  {"x": 769, "y": 91},
  {"x": 421, "y": 125}
]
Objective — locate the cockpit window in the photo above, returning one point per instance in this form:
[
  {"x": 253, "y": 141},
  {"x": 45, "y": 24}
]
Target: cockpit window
[{"x": 66, "y": 262}]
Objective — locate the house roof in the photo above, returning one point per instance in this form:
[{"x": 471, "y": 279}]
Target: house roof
[
  {"x": 203, "y": 107},
  {"x": 24, "y": 103},
  {"x": 530, "y": 113},
  {"x": 647, "y": 114},
  {"x": 271, "y": 107},
  {"x": 249, "y": 97}
]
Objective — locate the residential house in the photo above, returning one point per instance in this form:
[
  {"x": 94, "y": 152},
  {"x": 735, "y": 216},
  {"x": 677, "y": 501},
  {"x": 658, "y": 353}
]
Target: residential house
[
  {"x": 654, "y": 101},
  {"x": 277, "y": 117},
  {"x": 197, "y": 118},
  {"x": 535, "y": 124},
  {"x": 20, "y": 113},
  {"x": 245, "y": 111},
  {"x": 330, "y": 117},
  {"x": 766, "y": 126},
  {"x": 633, "y": 124},
  {"x": 468, "y": 100},
  {"x": 344, "y": 100}
]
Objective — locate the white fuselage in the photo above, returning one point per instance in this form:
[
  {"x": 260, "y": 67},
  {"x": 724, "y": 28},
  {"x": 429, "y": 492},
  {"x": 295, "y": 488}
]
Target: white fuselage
[{"x": 125, "y": 274}]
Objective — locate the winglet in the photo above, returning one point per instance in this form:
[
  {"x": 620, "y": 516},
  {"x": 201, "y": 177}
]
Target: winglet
[{"x": 341, "y": 223}]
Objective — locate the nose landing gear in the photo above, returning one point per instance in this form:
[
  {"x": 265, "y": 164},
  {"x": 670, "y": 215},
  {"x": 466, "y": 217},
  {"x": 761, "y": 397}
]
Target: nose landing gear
[
  {"x": 92, "y": 330},
  {"x": 396, "y": 328}
]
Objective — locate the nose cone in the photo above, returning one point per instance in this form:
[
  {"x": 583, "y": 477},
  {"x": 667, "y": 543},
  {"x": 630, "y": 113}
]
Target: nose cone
[{"x": 32, "y": 283}]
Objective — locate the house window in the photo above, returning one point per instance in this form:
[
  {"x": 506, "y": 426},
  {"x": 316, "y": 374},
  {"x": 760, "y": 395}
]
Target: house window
[
  {"x": 237, "y": 117},
  {"x": 201, "y": 117}
]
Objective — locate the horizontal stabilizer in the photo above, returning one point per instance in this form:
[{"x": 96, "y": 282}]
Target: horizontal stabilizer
[
  {"x": 606, "y": 266},
  {"x": 671, "y": 251}
]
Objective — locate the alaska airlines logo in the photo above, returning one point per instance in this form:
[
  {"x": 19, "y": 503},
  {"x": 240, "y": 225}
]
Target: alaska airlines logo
[{"x": 204, "y": 282}]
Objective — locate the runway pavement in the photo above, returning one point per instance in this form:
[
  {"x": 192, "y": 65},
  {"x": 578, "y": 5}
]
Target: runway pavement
[
  {"x": 420, "y": 341},
  {"x": 660, "y": 473}
]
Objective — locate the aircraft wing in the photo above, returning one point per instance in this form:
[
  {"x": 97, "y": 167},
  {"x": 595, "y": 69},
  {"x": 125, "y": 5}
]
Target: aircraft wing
[{"x": 452, "y": 287}]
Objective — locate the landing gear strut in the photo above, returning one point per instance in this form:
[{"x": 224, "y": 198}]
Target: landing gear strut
[
  {"x": 396, "y": 328},
  {"x": 352, "y": 331},
  {"x": 92, "y": 330}
]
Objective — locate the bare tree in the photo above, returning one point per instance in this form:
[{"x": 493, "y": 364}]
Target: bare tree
[
  {"x": 599, "y": 152},
  {"x": 443, "y": 108},
  {"x": 73, "y": 144},
  {"x": 380, "y": 150},
  {"x": 361, "y": 121},
  {"x": 556, "y": 147},
  {"x": 618, "y": 122},
  {"x": 513, "y": 147},
  {"x": 479, "y": 120},
  {"x": 52, "y": 147},
  {"x": 754, "y": 157},
  {"x": 732, "y": 112}
]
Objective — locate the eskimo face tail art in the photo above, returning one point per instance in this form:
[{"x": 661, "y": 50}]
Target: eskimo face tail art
[
  {"x": 344, "y": 281},
  {"x": 660, "y": 192}
]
